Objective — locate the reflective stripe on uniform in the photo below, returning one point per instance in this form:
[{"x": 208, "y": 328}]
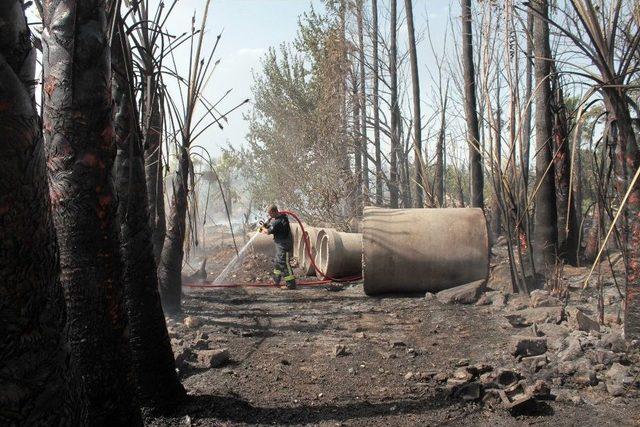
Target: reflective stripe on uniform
[
  {"x": 289, "y": 269},
  {"x": 277, "y": 272},
  {"x": 288, "y": 278}
]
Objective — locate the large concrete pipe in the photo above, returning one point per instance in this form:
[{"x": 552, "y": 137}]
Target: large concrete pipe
[
  {"x": 339, "y": 254},
  {"x": 307, "y": 267},
  {"x": 296, "y": 234},
  {"x": 419, "y": 250}
]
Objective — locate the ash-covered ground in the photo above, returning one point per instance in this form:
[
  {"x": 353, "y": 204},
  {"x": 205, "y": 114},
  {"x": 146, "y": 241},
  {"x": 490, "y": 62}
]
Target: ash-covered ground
[{"x": 266, "y": 356}]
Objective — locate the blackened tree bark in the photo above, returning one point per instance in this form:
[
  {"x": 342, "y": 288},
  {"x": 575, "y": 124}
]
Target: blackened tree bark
[
  {"x": 35, "y": 367},
  {"x": 357, "y": 143},
  {"x": 376, "y": 103},
  {"x": 152, "y": 130},
  {"x": 471, "y": 113},
  {"x": 439, "y": 169},
  {"x": 417, "y": 121},
  {"x": 154, "y": 170},
  {"x": 496, "y": 161},
  {"x": 545, "y": 218},
  {"x": 151, "y": 354},
  {"x": 395, "y": 118},
  {"x": 79, "y": 144},
  {"x": 362, "y": 98},
  {"x": 526, "y": 122},
  {"x": 170, "y": 267},
  {"x": 565, "y": 205}
]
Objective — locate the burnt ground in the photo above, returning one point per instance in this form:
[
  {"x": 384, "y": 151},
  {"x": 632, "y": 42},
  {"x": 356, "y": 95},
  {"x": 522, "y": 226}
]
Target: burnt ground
[{"x": 318, "y": 357}]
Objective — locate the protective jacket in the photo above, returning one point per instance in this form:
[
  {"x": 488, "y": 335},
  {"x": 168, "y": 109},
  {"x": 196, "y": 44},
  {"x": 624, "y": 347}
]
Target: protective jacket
[{"x": 281, "y": 230}]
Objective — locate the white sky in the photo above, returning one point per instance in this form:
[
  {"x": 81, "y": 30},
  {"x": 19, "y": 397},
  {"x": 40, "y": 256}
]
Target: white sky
[{"x": 250, "y": 27}]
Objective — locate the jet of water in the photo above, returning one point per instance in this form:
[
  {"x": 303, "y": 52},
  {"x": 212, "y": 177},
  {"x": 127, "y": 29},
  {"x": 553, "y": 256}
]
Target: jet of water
[{"x": 237, "y": 260}]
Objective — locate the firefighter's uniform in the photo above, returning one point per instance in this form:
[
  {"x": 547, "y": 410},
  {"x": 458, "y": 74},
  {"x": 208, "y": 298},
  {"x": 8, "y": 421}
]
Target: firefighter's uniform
[{"x": 281, "y": 230}]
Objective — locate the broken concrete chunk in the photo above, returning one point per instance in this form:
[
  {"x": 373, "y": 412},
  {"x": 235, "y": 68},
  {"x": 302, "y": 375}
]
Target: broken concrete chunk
[
  {"x": 213, "y": 358},
  {"x": 581, "y": 322},
  {"x": 506, "y": 377},
  {"x": 529, "y": 316},
  {"x": 614, "y": 342},
  {"x": 542, "y": 298},
  {"x": 494, "y": 298},
  {"x": 617, "y": 379},
  {"x": 540, "y": 390},
  {"x": 429, "y": 296},
  {"x": 528, "y": 346},
  {"x": 339, "y": 350},
  {"x": 469, "y": 392},
  {"x": 465, "y": 294},
  {"x": 192, "y": 322}
]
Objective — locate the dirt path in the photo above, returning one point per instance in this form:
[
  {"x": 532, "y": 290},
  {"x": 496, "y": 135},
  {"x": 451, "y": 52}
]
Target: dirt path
[{"x": 341, "y": 358}]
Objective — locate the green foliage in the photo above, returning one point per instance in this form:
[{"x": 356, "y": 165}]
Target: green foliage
[{"x": 295, "y": 126}]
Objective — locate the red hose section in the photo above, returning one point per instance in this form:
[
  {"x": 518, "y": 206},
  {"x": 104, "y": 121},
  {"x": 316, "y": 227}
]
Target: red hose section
[
  {"x": 307, "y": 245},
  {"x": 251, "y": 285}
]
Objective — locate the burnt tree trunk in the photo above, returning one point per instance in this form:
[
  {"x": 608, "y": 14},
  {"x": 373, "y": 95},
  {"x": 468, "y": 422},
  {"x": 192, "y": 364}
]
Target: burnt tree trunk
[
  {"x": 496, "y": 161},
  {"x": 545, "y": 218},
  {"x": 526, "y": 122},
  {"x": 471, "y": 113},
  {"x": 420, "y": 182},
  {"x": 79, "y": 143},
  {"x": 439, "y": 169},
  {"x": 395, "y": 119},
  {"x": 592, "y": 241},
  {"x": 376, "y": 104},
  {"x": 567, "y": 220},
  {"x": 362, "y": 100},
  {"x": 33, "y": 355},
  {"x": 154, "y": 172},
  {"x": 357, "y": 144},
  {"x": 627, "y": 163},
  {"x": 170, "y": 267},
  {"x": 151, "y": 354}
]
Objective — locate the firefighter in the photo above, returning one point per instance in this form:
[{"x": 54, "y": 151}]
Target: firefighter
[{"x": 278, "y": 226}]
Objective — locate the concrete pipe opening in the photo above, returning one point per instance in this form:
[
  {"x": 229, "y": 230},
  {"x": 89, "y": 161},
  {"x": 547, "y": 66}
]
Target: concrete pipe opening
[
  {"x": 420, "y": 250},
  {"x": 340, "y": 253}
]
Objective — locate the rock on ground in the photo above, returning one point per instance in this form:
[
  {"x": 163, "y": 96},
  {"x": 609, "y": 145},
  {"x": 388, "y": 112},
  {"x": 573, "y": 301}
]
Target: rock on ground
[{"x": 465, "y": 294}]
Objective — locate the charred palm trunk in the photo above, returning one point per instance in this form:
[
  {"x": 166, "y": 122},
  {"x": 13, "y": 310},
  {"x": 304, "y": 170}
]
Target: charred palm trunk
[
  {"x": 567, "y": 220},
  {"x": 34, "y": 361},
  {"x": 394, "y": 178},
  {"x": 170, "y": 267},
  {"x": 79, "y": 143},
  {"x": 470, "y": 107},
  {"x": 152, "y": 357},
  {"x": 627, "y": 163},
  {"x": 546, "y": 230},
  {"x": 154, "y": 172}
]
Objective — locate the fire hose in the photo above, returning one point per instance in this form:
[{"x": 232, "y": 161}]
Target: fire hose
[{"x": 325, "y": 279}]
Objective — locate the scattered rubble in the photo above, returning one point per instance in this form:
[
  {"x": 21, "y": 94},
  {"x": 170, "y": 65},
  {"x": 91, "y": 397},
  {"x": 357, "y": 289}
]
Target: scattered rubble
[
  {"x": 213, "y": 358},
  {"x": 465, "y": 294},
  {"x": 581, "y": 322},
  {"x": 192, "y": 322}
]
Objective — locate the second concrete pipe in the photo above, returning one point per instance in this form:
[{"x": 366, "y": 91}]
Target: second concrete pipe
[
  {"x": 420, "y": 250},
  {"x": 339, "y": 254}
]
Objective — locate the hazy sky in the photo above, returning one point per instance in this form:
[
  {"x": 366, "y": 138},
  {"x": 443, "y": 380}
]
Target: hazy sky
[{"x": 250, "y": 27}]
